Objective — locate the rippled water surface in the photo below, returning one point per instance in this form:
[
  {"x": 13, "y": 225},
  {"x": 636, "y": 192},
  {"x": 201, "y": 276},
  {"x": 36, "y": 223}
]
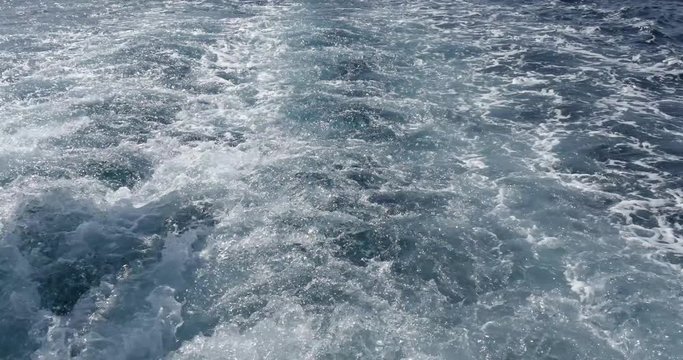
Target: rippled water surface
[{"x": 463, "y": 179}]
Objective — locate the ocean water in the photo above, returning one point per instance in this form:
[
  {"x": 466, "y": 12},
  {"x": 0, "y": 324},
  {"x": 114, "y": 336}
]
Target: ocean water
[{"x": 429, "y": 179}]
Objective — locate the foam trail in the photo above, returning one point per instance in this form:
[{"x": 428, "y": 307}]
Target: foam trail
[{"x": 340, "y": 179}]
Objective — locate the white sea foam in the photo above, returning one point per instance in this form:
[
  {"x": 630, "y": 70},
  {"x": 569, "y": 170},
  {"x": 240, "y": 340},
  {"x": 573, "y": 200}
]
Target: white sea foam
[{"x": 315, "y": 180}]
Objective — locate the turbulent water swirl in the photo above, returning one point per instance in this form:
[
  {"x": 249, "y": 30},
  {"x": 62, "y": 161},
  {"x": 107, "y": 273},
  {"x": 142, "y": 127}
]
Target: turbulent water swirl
[{"x": 462, "y": 179}]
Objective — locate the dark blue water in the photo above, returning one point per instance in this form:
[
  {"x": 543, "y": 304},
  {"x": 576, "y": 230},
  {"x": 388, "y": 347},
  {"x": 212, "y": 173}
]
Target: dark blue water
[{"x": 466, "y": 179}]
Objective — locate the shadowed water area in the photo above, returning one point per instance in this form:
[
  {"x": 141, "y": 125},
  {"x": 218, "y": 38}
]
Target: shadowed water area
[{"x": 466, "y": 179}]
